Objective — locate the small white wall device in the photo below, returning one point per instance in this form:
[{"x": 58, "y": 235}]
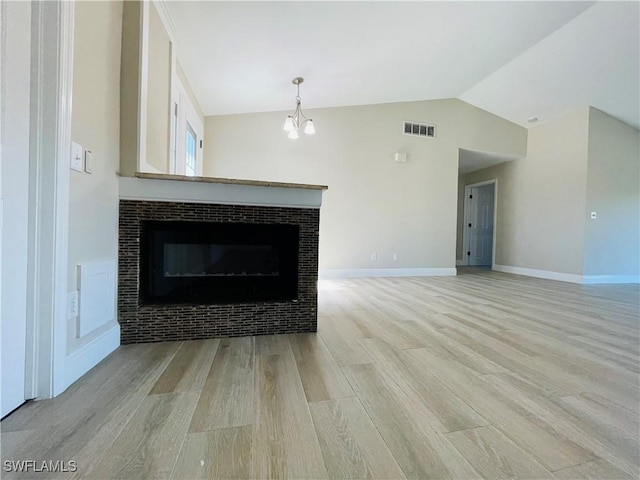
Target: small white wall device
[{"x": 401, "y": 157}]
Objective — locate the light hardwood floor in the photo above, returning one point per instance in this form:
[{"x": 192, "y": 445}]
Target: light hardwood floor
[{"x": 483, "y": 375}]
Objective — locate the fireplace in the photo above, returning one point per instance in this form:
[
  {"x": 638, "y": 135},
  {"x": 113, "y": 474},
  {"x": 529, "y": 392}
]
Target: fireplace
[
  {"x": 218, "y": 263},
  {"x": 209, "y": 258}
]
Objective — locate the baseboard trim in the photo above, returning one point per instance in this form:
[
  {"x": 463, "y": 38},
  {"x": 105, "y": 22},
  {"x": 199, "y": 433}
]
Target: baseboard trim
[
  {"x": 531, "y": 272},
  {"x": 386, "y": 272},
  {"x": 569, "y": 277},
  {"x": 610, "y": 279},
  {"x": 89, "y": 355}
]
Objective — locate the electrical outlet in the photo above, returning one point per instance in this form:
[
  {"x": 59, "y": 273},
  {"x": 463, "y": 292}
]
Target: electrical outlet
[
  {"x": 73, "y": 307},
  {"x": 374, "y": 256},
  {"x": 395, "y": 256}
]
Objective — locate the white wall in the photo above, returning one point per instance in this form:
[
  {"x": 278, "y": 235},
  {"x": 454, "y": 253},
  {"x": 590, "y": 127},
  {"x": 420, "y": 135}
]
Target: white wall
[
  {"x": 189, "y": 91},
  {"x": 158, "y": 93},
  {"x": 612, "y": 241},
  {"x": 129, "y": 87},
  {"x": 583, "y": 162},
  {"x": 14, "y": 192},
  {"x": 373, "y": 203},
  {"x": 146, "y": 94},
  {"x": 93, "y": 208},
  {"x": 541, "y": 198}
]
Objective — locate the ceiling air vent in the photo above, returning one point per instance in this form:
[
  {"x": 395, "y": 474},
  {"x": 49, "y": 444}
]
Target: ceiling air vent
[{"x": 419, "y": 129}]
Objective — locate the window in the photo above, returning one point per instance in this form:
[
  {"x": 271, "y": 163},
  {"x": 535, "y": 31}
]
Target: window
[
  {"x": 190, "y": 165},
  {"x": 186, "y": 134},
  {"x": 174, "y": 139}
]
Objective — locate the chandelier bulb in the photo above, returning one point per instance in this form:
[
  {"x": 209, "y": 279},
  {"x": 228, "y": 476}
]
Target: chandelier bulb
[
  {"x": 293, "y": 134},
  {"x": 288, "y": 124},
  {"x": 309, "y": 129}
]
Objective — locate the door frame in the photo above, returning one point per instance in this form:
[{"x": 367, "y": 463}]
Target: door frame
[
  {"x": 52, "y": 25},
  {"x": 467, "y": 214}
]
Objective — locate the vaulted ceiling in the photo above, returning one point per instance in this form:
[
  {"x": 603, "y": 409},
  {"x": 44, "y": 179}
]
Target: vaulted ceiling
[{"x": 514, "y": 59}]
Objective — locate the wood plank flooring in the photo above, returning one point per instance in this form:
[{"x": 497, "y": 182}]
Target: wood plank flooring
[{"x": 483, "y": 375}]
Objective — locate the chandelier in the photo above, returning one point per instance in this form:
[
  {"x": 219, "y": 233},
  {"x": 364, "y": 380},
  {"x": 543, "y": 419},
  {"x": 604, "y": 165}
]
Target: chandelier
[{"x": 297, "y": 120}]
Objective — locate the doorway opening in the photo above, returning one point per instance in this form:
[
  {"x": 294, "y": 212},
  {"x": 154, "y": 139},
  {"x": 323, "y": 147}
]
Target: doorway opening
[{"x": 480, "y": 214}]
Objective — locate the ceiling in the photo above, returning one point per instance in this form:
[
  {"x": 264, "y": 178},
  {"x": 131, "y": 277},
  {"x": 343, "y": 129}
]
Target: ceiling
[
  {"x": 514, "y": 59},
  {"x": 472, "y": 160}
]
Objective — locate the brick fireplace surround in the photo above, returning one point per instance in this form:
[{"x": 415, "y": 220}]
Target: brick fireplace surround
[{"x": 141, "y": 323}]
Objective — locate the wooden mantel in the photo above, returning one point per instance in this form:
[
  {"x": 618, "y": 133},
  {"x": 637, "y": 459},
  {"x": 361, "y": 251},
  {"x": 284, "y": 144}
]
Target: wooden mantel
[
  {"x": 179, "y": 188},
  {"x": 232, "y": 181}
]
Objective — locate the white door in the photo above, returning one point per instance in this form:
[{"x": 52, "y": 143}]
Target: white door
[
  {"x": 481, "y": 225},
  {"x": 14, "y": 190}
]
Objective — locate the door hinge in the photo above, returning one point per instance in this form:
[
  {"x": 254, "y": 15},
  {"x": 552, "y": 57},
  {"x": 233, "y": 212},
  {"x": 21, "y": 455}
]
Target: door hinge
[
  {"x": 469, "y": 225},
  {"x": 468, "y": 253},
  {"x": 200, "y": 143},
  {"x": 470, "y": 196}
]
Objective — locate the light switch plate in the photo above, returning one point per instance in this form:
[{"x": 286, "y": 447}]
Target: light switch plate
[
  {"x": 88, "y": 161},
  {"x": 77, "y": 157},
  {"x": 594, "y": 215}
]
